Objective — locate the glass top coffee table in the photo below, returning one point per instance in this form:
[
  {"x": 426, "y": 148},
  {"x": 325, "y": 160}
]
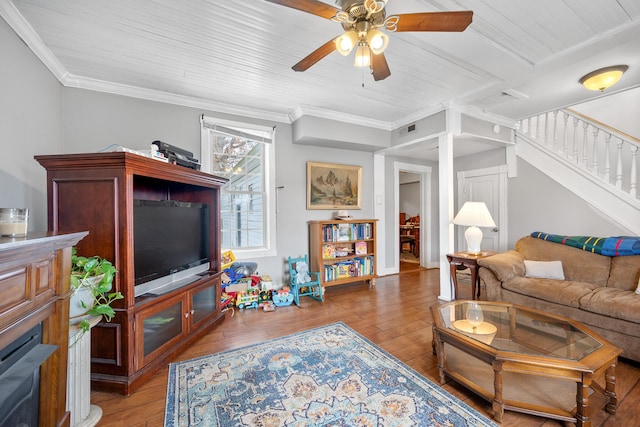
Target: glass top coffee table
[{"x": 525, "y": 360}]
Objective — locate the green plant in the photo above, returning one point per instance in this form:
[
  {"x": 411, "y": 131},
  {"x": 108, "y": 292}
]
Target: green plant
[{"x": 94, "y": 274}]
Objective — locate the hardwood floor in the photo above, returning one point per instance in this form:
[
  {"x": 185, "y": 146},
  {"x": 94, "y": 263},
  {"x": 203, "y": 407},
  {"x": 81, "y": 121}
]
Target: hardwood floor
[{"x": 394, "y": 314}]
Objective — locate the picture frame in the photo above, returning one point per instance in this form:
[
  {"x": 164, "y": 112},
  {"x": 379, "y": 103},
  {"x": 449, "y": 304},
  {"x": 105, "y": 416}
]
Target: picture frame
[{"x": 333, "y": 186}]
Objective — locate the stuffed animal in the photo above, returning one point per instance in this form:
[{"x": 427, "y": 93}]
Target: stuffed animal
[{"x": 302, "y": 270}]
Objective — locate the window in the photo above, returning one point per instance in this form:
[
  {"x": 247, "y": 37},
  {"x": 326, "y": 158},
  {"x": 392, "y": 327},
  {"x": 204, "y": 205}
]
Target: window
[{"x": 242, "y": 153}]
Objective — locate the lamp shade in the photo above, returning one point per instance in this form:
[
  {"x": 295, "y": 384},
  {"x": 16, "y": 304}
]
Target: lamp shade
[
  {"x": 474, "y": 213},
  {"x": 603, "y": 78}
]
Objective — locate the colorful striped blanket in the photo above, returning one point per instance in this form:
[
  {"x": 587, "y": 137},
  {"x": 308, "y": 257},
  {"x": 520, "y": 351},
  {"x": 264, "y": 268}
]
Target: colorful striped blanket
[{"x": 609, "y": 246}]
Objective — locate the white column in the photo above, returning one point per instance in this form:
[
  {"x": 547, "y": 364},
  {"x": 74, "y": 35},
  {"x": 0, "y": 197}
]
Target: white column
[
  {"x": 82, "y": 412},
  {"x": 445, "y": 173}
]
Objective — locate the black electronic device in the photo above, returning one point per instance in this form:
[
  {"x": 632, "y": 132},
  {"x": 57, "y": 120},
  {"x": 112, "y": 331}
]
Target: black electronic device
[
  {"x": 171, "y": 243},
  {"x": 178, "y": 156}
]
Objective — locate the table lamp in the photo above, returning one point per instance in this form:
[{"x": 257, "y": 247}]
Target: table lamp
[{"x": 474, "y": 215}]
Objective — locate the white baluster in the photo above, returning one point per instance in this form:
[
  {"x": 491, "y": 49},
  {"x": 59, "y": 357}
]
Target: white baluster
[
  {"x": 585, "y": 126},
  {"x": 607, "y": 160},
  {"x": 594, "y": 160},
  {"x": 575, "y": 136},
  {"x": 619, "y": 165},
  {"x": 537, "y": 135},
  {"x": 565, "y": 142},
  {"x": 555, "y": 128},
  {"x": 546, "y": 128},
  {"x": 634, "y": 174}
]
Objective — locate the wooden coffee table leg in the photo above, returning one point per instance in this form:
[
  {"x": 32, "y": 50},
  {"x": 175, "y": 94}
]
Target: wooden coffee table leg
[
  {"x": 438, "y": 346},
  {"x": 582, "y": 401},
  {"x": 610, "y": 391},
  {"x": 497, "y": 406}
]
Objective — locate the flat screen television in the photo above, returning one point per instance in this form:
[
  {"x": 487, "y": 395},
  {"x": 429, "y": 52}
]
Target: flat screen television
[{"x": 171, "y": 244}]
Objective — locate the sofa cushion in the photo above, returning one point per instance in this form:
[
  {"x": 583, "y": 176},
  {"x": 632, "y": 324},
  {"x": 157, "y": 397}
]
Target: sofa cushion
[
  {"x": 613, "y": 302},
  {"x": 557, "y": 291},
  {"x": 544, "y": 269},
  {"x": 625, "y": 272},
  {"x": 578, "y": 265},
  {"x": 505, "y": 265}
]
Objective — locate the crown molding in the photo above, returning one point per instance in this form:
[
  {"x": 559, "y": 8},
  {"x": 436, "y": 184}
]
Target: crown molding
[
  {"x": 27, "y": 34},
  {"x": 172, "y": 98},
  {"x": 307, "y": 110}
]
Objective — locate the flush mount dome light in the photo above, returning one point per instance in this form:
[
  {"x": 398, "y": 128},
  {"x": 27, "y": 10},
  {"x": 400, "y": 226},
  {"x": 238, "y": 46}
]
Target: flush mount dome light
[{"x": 603, "y": 78}]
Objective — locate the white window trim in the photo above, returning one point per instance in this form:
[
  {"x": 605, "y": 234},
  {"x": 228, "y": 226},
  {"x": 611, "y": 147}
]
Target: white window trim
[{"x": 270, "y": 179}]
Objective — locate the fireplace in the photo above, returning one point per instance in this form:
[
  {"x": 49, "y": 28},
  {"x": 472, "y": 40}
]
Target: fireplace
[
  {"x": 34, "y": 329},
  {"x": 20, "y": 363}
]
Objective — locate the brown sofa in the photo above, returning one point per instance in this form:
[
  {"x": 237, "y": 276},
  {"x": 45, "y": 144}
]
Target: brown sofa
[{"x": 598, "y": 290}]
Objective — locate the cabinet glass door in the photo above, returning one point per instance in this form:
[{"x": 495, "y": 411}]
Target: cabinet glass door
[
  {"x": 162, "y": 327},
  {"x": 203, "y": 303}
]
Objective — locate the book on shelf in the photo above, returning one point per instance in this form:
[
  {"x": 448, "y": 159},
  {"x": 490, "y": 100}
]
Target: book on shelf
[
  {"x": 344, "y": 232},
  {"x": 328, "y": 251},
  {"x": 361, "y": 248}
]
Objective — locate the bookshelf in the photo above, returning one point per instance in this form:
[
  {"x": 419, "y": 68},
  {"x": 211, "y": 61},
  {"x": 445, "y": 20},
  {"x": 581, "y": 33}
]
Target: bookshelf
[{"x": 343, "y": 251}]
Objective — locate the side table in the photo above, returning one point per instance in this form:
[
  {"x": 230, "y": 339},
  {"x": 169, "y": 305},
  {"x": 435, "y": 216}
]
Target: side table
[{"x": 464, "y": 260}]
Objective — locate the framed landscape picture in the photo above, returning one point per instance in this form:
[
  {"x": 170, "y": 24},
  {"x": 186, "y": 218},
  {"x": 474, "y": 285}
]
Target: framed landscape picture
[{"x": 332, "y": 186}]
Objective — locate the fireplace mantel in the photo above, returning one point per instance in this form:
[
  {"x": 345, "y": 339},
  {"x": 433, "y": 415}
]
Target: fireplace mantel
[{"x": 34, "y": 288}]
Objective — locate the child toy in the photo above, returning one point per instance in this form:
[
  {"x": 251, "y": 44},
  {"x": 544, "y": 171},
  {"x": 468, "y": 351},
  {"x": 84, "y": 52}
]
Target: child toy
[
  {"x": 303, "y": 272},
  {"x": 247, "y": 299},
  {"x": 268, "y": 306},
  {"x": 282, "y": 297}
]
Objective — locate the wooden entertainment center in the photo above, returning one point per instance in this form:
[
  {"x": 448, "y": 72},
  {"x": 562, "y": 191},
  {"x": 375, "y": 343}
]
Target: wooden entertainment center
[{"x": 96, "y": 193}]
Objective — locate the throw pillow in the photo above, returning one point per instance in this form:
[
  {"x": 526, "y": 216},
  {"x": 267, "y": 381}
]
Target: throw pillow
[
  {"x": 638, "y": 288},
  {"x": 544, "y": 269}
]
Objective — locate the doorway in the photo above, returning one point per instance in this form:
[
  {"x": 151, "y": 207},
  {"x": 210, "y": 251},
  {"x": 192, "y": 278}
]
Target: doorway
[{"x": 413, "y": 182}]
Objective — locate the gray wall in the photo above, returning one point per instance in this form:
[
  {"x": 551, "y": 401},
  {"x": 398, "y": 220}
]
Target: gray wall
[
  {"x": 538, "y": 203},
  {"x": 409, "y": 198},
  {"x": 30, "y": 123}
]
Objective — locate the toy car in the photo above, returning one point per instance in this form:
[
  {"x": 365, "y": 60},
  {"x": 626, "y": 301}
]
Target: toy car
[{"x": 247, "y": 299}]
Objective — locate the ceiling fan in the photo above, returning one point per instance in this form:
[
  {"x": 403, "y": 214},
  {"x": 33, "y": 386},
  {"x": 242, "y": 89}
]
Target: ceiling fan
[{"x": 361, "y": 20}]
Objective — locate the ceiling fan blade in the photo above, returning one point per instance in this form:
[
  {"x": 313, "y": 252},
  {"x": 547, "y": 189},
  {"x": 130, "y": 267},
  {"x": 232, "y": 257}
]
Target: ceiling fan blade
[
  {"x": 313, "y": 7},
  {"x": 379, "y": 67},
  {"x": 315, "y": 56},
  {"x": 435, "y": 21}
]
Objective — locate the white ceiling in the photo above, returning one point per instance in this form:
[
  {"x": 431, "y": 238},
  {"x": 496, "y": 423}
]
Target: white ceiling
[{"x": 518, "y": 57}]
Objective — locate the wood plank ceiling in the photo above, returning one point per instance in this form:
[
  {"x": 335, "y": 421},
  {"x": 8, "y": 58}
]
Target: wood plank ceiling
[{"x": 517, "y": 57}]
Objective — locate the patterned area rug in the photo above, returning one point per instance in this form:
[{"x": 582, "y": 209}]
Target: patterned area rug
[{"x": 328, "y": 376}]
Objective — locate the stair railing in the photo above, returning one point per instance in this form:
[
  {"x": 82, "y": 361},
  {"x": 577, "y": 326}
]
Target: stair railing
[{"x": 593, "y": 147}]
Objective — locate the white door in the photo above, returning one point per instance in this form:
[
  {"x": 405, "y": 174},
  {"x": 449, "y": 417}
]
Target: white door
[{"x": 488, "y": 186}]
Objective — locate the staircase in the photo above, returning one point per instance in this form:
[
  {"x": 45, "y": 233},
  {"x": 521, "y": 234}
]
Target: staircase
[{"x": 596, "y": 162}]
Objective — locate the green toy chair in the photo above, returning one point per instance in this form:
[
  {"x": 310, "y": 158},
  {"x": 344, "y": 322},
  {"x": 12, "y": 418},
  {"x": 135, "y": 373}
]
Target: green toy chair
[{"x": 303, "y": 283}]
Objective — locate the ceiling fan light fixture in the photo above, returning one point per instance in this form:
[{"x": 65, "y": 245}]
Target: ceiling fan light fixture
[
  {"x": 375, "y": 6},
  {"x": 377, "y": 41},
  {"x": 363, "y": 55},
  {"x": 603, "y": 78},
  {"x": 346, "y": 42}
]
